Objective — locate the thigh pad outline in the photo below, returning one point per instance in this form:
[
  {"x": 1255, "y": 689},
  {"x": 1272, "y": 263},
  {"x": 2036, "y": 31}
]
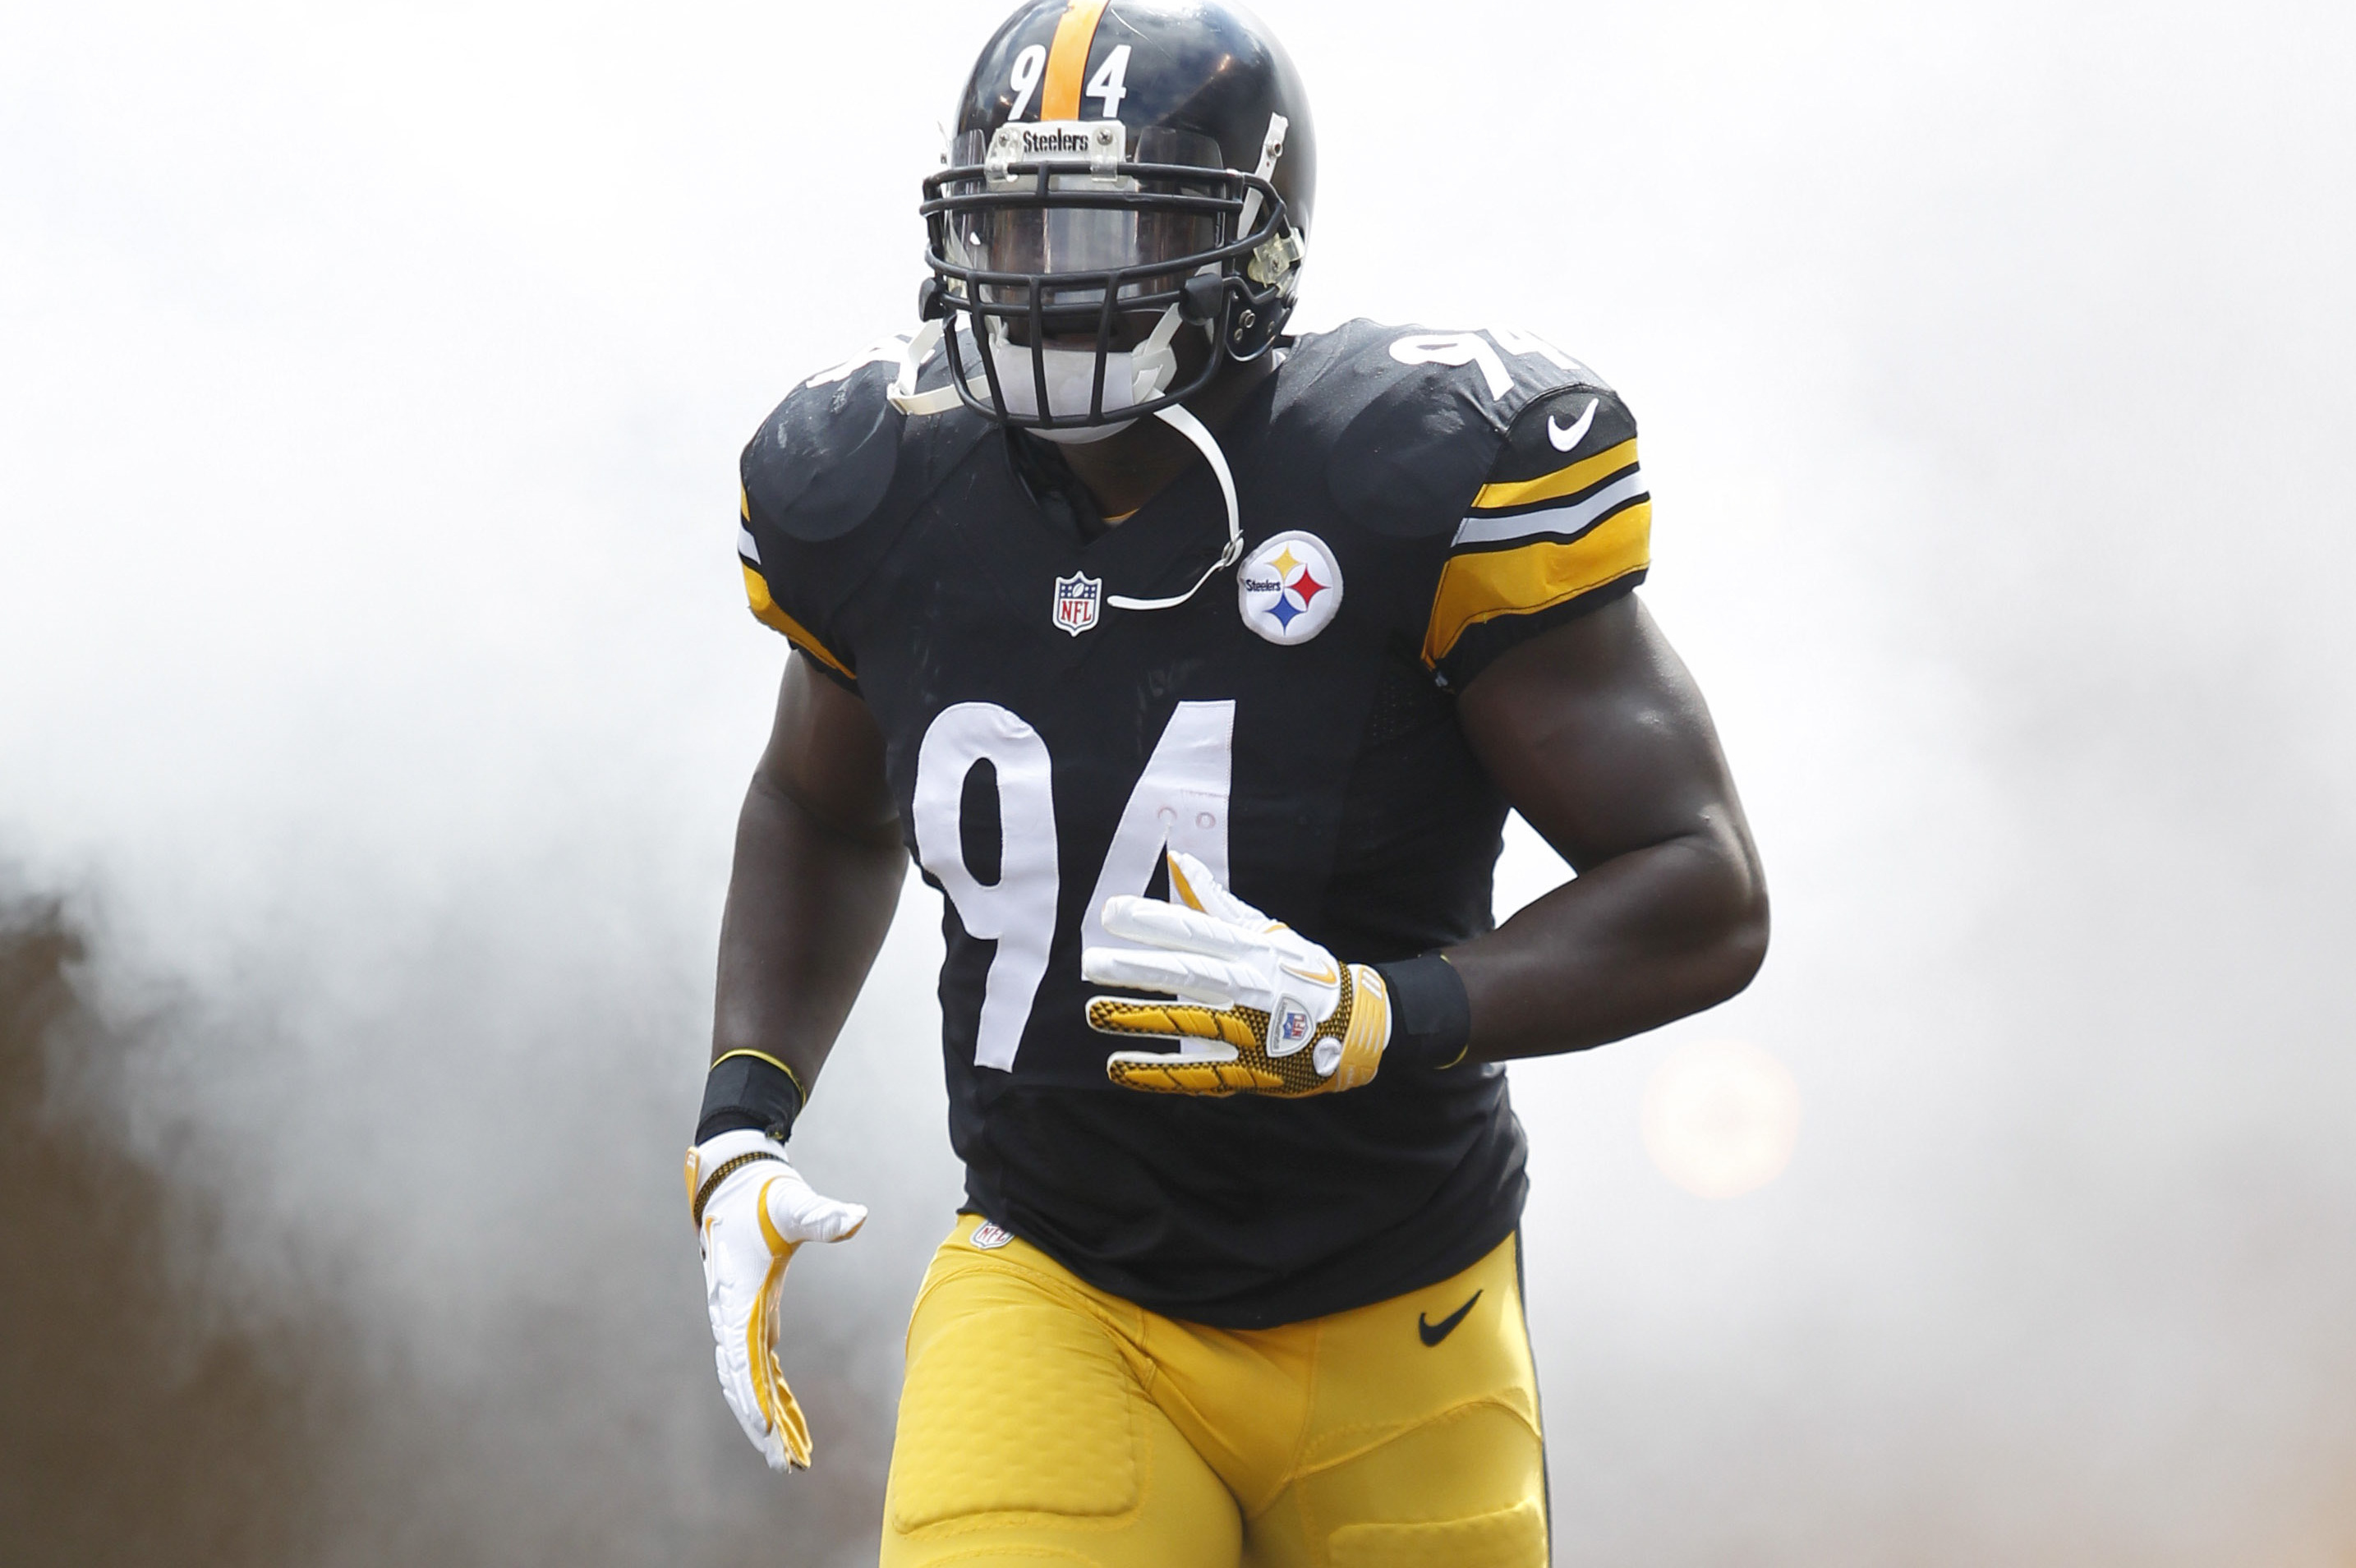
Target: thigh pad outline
[
  {"x": 1509, "y": 1538},
  {"x": 1017, "y": 1409}
]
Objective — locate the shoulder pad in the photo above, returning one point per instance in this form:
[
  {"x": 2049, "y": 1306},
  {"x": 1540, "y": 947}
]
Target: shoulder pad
[
  {"x": 1413, "y": 420},
  {"x": 826, "y": 459}
]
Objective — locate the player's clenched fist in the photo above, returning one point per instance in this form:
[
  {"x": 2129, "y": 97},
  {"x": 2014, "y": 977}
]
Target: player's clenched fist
[
  {"x": 1260, "y": 1008},
  {"x": 752, "y": 1209}
]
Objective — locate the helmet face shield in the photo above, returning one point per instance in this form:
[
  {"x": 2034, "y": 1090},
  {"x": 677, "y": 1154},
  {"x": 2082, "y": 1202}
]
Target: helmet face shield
[{"x": 1050, "y": 238}]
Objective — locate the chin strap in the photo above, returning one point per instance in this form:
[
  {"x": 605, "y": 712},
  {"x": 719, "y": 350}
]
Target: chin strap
[
  {"x": 1271, "y": 147},
  {"x": 904, "y": 394},
  {"x": 1176, "y": 417},
  {"x": 1152, "y": 365},
  {"x": 908, "y": 400}
]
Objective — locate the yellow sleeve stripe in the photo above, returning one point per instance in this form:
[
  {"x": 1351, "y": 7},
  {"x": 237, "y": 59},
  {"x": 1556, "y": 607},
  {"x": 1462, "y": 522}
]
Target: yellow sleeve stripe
[
  {"x": 746, "y": 545},
  {"x": 1536, "y": 576},
  {"x": 766, "y": 611},
  {"x": 1068, "y": 59},
  {"x": 1562, "y": 482}
]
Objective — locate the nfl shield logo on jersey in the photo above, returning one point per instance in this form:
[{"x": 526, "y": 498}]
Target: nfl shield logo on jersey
[{"x": 1077, "y": 598}]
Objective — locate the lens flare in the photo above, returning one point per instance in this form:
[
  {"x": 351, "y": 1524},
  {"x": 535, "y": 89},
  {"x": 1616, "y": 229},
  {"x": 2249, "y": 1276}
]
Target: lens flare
[{"x": 1721, "y": 1117}]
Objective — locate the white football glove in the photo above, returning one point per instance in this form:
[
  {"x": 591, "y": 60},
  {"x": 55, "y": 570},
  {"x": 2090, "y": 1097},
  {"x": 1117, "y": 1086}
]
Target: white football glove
[
  {"x": 752, "y": 1209},
  {"x": 1276, "y": 1015}
]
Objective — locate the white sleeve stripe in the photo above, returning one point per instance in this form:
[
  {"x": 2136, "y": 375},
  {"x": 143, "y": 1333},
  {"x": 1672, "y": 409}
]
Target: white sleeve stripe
[
  {"x": 1569, "y": 518},
  {"x": 744, "y": 545}
]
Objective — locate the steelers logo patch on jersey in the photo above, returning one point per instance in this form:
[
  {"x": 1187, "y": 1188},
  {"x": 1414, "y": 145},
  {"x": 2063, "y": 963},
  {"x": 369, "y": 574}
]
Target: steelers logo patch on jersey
[{"x": 1290, "y": 588}]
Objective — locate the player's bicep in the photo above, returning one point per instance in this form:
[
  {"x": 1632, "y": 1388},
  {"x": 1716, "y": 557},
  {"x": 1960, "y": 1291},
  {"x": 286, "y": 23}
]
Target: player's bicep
[
  {"x": 1596, "y": 734},
  {"x": 826, "y": 755}
]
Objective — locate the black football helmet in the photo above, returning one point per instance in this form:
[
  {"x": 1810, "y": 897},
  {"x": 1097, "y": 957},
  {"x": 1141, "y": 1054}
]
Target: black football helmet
[{"x": 1120, "y": 171}]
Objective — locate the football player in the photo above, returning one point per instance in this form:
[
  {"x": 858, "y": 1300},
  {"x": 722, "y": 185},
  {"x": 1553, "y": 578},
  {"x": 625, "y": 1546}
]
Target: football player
[{"x": 1197, "y": 664}]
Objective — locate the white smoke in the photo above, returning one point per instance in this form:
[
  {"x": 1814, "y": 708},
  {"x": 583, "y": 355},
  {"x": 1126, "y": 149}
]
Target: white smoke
[{"x": 368, "y": 640}]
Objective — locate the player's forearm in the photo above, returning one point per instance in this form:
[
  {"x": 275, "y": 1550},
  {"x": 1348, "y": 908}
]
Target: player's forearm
[
  {"x": 1638, "y": 941},
  {"x": 808, "y": 908}
]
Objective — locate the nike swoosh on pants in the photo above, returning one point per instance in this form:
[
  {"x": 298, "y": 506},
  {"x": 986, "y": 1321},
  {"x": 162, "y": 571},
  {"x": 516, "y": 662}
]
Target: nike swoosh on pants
[{"x": 1434, "y": 1333}]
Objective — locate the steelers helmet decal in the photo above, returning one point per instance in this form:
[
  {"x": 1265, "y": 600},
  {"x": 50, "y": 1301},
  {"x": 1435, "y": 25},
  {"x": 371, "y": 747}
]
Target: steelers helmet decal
[{"x": 1290, "y": 588}]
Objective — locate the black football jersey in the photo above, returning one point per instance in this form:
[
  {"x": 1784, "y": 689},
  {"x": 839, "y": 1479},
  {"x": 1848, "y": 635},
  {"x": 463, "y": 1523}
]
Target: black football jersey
[{"x": 1413, "y": 503}]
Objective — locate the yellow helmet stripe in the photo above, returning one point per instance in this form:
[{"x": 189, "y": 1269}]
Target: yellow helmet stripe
[{"x": 1068, "y": 59}]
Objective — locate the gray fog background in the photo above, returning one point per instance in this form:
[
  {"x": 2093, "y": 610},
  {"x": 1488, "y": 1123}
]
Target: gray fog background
[{"x": 376, "y": 691}]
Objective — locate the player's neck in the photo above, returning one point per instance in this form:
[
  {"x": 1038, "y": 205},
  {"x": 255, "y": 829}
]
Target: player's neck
[{"x": 1124, "y": 472}]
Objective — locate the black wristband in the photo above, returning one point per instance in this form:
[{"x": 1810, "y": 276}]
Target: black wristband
[
  {"x": 1431, "y": 1018},
  {"x": 748, "y": 1090}
]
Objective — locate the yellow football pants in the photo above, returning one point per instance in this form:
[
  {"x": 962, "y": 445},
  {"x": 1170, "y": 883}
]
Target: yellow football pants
[{"x": 1047, "y": 1422}]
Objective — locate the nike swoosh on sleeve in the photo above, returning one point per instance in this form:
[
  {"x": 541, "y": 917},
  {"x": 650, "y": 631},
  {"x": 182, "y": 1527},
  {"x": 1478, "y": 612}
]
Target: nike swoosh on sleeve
[{"x": 1564, "y": 439}]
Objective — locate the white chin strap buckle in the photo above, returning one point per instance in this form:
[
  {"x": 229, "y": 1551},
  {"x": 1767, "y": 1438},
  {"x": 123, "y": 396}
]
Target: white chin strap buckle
[
  {"x": 904, "y": 395},
  {"x": 1152, "y": 364}
]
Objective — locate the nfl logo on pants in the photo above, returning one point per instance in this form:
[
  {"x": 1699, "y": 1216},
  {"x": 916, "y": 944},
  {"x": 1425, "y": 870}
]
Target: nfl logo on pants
[{"x": 1077, "y": 598}]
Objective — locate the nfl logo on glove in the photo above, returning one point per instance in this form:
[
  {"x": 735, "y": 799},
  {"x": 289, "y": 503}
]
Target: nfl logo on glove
[
  {"x": 1292, "y": 1029},
  {"x": 1077, "y": 597}
]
